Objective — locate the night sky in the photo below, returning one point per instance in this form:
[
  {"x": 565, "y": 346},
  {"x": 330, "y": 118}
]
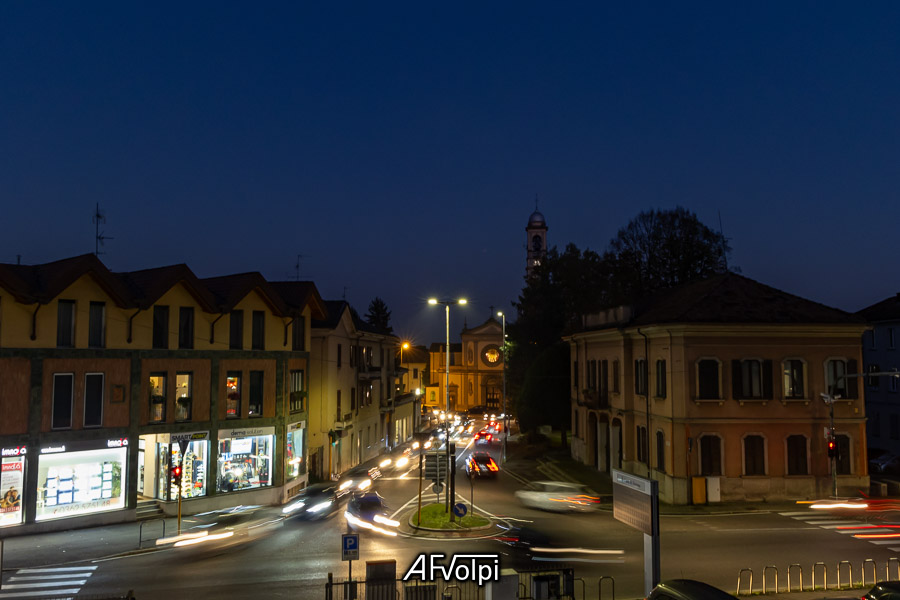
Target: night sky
[{"x": 399, "y": 147}]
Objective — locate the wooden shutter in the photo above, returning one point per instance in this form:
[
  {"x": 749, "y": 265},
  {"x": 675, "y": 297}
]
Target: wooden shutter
[{"x": 736, "y": 379}]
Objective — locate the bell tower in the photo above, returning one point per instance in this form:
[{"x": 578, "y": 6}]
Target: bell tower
[{"x": 535, "y": 241}]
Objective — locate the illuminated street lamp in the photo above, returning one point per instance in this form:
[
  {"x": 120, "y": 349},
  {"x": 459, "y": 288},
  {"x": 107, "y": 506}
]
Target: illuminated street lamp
[
  {"x": 447, "y": 304},
  {"x": 505, "y": 417}
]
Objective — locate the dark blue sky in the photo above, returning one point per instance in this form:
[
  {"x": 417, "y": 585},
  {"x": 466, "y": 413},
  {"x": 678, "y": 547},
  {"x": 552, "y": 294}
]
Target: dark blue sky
[{"x": 399, "y": 146}]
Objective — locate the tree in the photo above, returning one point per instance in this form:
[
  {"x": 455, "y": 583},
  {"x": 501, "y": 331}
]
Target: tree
[
  {"x": 545, "y": 393},
  {"x": 379, "y": 316}
]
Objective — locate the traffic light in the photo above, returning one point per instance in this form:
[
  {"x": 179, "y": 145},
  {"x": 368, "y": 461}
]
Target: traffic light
[
  {"x": 176, "y": 474},
  {"x": 832, "y": 448}
]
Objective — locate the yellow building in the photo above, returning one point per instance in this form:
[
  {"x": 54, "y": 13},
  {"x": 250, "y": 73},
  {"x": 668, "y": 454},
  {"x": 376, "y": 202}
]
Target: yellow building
[{"x": 717, "y": 385}]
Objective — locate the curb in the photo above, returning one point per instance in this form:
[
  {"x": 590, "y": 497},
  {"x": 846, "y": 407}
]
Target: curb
[{"x": 416, "y": 528}]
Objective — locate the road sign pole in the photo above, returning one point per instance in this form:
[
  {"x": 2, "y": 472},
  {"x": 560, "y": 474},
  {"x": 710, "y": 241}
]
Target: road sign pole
[
  {"x": 472, "y": 493},
  {"x": 419, "y": 517},
  {"x": 451, "y": 474}
]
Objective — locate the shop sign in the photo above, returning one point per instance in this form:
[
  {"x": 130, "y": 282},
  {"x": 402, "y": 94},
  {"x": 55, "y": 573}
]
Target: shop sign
[
  {"x": 188, "y": 437},
  {"x": 53, "y": 449},
  {"x": 120, "y": 443},
  {"x": 17, "y": 451},
  {"x": 248, "y": 432},
  {"x": 296, "y": 426}
]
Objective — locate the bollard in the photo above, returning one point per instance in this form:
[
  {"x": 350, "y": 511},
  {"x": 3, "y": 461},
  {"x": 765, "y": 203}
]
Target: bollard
[
  {"x": 750, "y": 589},
  {"x": 612, "y": 583},
  {"x": 790, "y": 568},
  {"x": 850, "y": 567},
  {"x": 824, "y": 576}
]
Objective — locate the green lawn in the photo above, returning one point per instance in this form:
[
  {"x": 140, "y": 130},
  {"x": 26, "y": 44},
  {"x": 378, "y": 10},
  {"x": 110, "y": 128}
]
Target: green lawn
[{"x": 435, "y": 517}]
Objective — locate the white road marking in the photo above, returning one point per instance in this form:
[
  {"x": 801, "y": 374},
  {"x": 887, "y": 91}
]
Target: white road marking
[
  {"x": 67, "y": 591},
  {"x": 56, "y": 569},
  {"x": 45, "y": 577},
  {"x": 843, "y": 524},
  {"x": 796, "y": 514},
  {"x": 9, "y": 586},
  {"x": 881, "y": 542},
  {"x": 832, "y": 522}
]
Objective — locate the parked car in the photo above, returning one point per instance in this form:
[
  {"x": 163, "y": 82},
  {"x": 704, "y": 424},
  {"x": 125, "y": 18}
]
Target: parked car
[
  {"x": 558, "y": 496},
  {"x": 481, "y": 464},
  {"x": 316, "y": 501},
  {"x": 687, "y": 589},
  {"x": 368, "y": 511},
  {"x": 886, "y": 464},
  {"x": 886, "y": 590}
]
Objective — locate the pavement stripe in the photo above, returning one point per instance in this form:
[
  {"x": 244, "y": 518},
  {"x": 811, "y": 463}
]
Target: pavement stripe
[
  {"x": 845, "y": 524},
  {"x": 66, "y": 592},
  {"x": 9, "y": 586},
  {"x": 45, "y": 577},
  {"x": 832, "y": 522},
  {"x": 882, "y": 542},
  {"x": 57, "y": 569},
  {"x": 894, "y": 549},
  {"x": 794, "y": 514}
]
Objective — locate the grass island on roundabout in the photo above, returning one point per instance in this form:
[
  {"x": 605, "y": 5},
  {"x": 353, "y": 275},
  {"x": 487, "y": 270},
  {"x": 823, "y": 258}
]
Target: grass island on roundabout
[{"x": 435, "y": 516}]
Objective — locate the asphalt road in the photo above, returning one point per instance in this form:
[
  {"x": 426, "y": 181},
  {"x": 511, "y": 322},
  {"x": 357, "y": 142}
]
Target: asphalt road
[{"x": 294, "y": 561}]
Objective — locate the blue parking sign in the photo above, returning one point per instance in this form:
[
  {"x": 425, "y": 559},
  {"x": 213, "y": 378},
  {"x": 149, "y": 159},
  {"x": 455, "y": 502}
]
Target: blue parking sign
[{"x": 350, "y": 546}]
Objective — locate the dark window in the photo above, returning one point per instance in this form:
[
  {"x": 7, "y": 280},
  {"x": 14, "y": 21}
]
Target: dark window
[
  {"x": 710, "y": 455},
  {"x": 660, "y": 452},
  {"x": 158, "y": 393},
  {"x": 353, "y": 398},
  {"x": 258, "y": 331},
  {"x": 604, "y": 380},
  {"x": 97, "y": 325},
  {"x": 340, "y": 415},
  {"x": 236, "y": 341},
  {"x": 751, "y": 379},
  {"x": 93, "y": 400},
  {"x": 793, "y": 379},
  {"x": 256, "y": 393},
  {"x": 641, "y": 444},
  {"x": 796, "y": 450},
  {"x": 186, "y": 327},
  {"x": 708, "y": 379},
  {"x": 875, "y": 426},
  {"x": 353, "y": 356},
  {"x": 297, "y": 391},
  {"x": 640, "y": 377},
  {"x": 660, "y": 379},
  {"x": 890, "y": 335},
  {"x": 184, "y": 386},
  {"x": 536, "y": 243},
  {"x": 754, "y": 455},
  {"x": 894, "y": 424},
  {"x": 872, "y": 382},
  {"x": 233, "y": 395},
  {"x": 615, "y": 376},
  {"x": 298, "y": 334},
  {"x": 575, "y": 374},
  {"x": 416, "y": 373},
  {"x": 842, "y": 443},
  {"x": 63, "y": 385},
  {"x": 339, "y": 355},
  {"x": 838, "y": 382},
  {"x": 65, "y": 324},
  {"x": 161, "y": 327}
]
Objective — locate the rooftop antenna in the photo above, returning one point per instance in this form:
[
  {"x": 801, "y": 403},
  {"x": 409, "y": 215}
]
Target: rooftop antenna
[
  {"x": 297, "y": 266},
  {"x": 344, "y": 297},
  {"x": 99, "y": 238},
  {"x": 724, "y": 241}
]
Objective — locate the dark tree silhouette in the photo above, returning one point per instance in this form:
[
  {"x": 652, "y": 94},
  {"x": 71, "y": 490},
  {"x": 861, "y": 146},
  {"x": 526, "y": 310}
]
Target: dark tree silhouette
[{"x": 379, "y": 316}]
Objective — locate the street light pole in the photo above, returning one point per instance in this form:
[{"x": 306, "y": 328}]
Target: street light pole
[{"x": 505, "y": 417}]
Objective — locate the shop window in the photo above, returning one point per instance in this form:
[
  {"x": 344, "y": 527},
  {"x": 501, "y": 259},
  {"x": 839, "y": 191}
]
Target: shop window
[
  {"x": 77, "y": 483},
  {"x": 63, "y": 387},
  {"x": 793, "y": 378},
  {"x": 184, "y": 388},
  {"x": 842, "y": 462},
  {"x": 708, "y": 379},
  {"x": 161, "y": 327},
  {"x": 236, "y": 333},
  {"x": 298, "y": 334},
  {"x": 660, "y": 379},
  {"x": 294, "y": 459},
  {"x": 158, "y": 397},
  {"x": 297, "y": 391},
  {"x": 186, "y": 328},
  {"x": 258, "y": 330},
  {"x": 65, "y": 324},
  {"x": 640, "y": 377},
  {"x": 256, "y": 393},
  {"x": 233, "y": 395},
  {"x": 710, "y": 455},
  {"x": 12, "y": 486},
  {"x": 93, "y": 400},
  {"x": 797, "y": 455},
  {"x": 193, "y": 470},
  {"x": 754, "y": 455},
  {"x": 660, "y": 452},
  {"x": 244, "y": 462},
  {"x": 97, "y": 325}
]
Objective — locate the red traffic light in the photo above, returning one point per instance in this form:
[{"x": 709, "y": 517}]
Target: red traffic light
[{"x": 176, "y": 472}]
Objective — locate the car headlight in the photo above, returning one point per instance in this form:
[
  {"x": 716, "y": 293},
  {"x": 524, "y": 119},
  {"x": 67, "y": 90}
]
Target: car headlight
[
  {"x": 319, "y": 507},
  {"x": 346, "y": 484},
  {"x": 402, "y": 462},
  {"x": 386, "y": 521},
  {"x": 292, "y": 507},
  {"x": 364, "y": 484}
]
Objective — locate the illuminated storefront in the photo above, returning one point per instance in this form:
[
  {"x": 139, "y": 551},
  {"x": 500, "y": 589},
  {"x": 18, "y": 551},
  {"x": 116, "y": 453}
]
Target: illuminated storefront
[
  {"x": 77, "y": 478},
  {"x": 164, "y": 450},
  {"x": 294, "y": 448},
  {"x": 245, "y": 458},
  {"x": 12, "y": 485}
]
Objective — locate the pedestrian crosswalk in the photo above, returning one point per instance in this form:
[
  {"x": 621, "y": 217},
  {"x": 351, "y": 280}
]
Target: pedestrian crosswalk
[
  {"x": 45, "y": 583},
  {"x": 880, "y": 534}
]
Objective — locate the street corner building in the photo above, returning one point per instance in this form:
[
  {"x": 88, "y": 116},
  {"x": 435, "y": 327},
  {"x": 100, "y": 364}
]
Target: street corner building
[
  {"x": 714, "y": 390},
  {"x": 112, "y": 380}
]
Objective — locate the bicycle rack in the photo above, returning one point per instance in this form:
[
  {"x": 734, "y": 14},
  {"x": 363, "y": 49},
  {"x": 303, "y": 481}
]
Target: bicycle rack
[
  {"x": 612, "y": 583},
  {"x": 790, "y": 570},
  {"x": 141, "y": 530},
  {"x": 824, "y": 576},
  {"x": 849, "y": 567},
  {"x": 522, "y": 591},
  {"x": 583, "y": 590},
  {"x": 887, "y": 569},
  {"x": 448, "y": 594},
  {"x": 766, "y": 570},
  {"x": 869, "y": 561},
  {"x": 740, "y": 573}
]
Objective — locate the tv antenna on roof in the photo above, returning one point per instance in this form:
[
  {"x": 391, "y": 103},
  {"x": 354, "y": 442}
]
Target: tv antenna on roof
[{"x": 99, "y": 238}]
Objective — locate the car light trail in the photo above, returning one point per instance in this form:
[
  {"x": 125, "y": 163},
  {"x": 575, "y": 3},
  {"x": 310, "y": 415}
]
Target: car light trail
[{"x": 208, "y": 538}]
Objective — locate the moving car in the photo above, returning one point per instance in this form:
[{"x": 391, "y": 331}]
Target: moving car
[
  {"x": 357, "y": 479},
  {"x": 316, "y": 501},
  {"x": 525, "y": 546},
  {"x": 687, "y": 589},
  {"x": 558, "y": 496},
  {"x": 213, "y": 532},
  {"x": 368, "y": 511},
  {"x": 484, "y": 437},
  {"x": 481, "y": 464}
]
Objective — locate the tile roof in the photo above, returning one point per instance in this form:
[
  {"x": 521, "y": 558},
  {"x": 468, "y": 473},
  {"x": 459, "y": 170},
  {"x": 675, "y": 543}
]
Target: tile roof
[
  {"x": 149, "y": 285},
  {"x": 42, "y": 283},
  {"x": 300, "y": 294},
  {"x": 231, "y": 289},
  {"x": 886, "y": 310}
]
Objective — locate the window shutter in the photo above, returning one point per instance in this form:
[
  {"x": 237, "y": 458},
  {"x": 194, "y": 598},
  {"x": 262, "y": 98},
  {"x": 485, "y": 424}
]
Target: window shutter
[
  {"x": 852, "y": 390},
  {"x": 735, "y": 379},
  {"x": 767, "y": 379}
]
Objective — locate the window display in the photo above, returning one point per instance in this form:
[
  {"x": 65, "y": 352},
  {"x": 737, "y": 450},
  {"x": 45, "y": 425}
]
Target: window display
[
  {"x": 245, "y": 458},
  {"x": 75, "y": 483},
  {"x": 12, "y": 480},
  {"x": 294, "y": 452},
  {"x": 193, "y": 469}
]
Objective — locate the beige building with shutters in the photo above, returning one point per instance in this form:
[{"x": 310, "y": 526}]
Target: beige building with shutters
[{"x": 714, "y": 389}]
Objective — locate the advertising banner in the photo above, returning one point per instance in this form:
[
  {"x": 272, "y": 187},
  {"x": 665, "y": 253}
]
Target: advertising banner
[{"x": 12, "y": 480}]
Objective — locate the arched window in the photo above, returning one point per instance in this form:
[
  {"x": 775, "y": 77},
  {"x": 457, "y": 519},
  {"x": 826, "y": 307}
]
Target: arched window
[{"x": 536, "y": 243}]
